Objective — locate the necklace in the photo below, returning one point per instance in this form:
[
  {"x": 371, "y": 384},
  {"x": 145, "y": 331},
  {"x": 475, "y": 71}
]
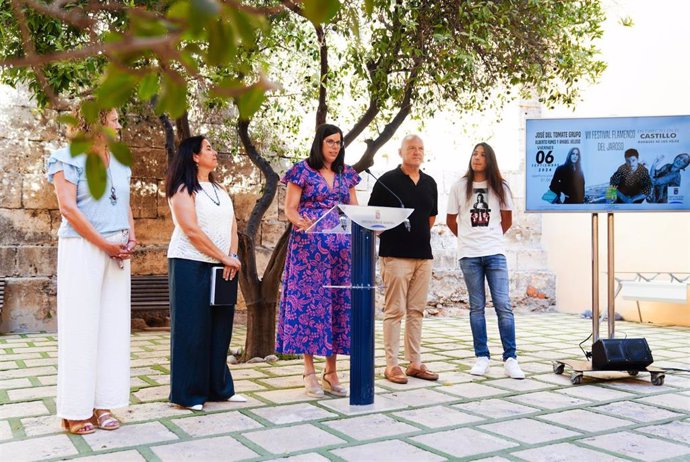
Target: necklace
[
  {"x": 113, "y": 196},
  {"x": 217, "y": 199}
]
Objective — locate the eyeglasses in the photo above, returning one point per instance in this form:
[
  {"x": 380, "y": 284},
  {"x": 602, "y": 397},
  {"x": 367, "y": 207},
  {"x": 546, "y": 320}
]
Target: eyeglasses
[{"x": 332, "y": 143}]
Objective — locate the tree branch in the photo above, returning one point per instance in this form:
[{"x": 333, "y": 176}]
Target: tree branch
[
  {"x": 322, "y": 109},
  {"x": 271, "y": 185},
  {"x": 161, "y": 44},
  {"x": 367, "y": 159},
  {"x": 363, "y": 122},
  {"x": 30, "y": 50}
]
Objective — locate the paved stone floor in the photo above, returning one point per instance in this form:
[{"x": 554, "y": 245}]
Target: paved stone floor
[{"x": 460, "y": 417}]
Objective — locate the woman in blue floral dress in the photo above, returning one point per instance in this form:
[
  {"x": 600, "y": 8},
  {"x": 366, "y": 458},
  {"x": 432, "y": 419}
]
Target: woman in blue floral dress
[{"x": 315, "y": 320}]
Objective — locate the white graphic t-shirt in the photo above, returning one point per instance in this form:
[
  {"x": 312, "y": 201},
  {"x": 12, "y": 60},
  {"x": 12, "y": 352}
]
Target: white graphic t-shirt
[{"x": 479, "y": 219}]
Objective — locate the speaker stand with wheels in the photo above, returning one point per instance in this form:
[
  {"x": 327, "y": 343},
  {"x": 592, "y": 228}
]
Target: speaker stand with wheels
[{"x": 626, "y": 355}]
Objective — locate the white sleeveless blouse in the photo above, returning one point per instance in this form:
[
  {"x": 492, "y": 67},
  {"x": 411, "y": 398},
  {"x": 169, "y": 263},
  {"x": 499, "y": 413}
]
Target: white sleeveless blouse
[{"x": 213, "y": 219}]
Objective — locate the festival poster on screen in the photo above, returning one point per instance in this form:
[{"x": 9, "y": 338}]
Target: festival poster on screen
[{"x": 608, "y": 164}]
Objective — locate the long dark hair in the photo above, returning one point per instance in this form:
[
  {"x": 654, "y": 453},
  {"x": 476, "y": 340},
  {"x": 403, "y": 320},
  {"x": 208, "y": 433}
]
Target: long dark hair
[
  {"x": 493, "y": 175},
  {"x": 315, "y": 159},
  {"x": 183, "y": 170},
  {"x": 569, "y": 163}
]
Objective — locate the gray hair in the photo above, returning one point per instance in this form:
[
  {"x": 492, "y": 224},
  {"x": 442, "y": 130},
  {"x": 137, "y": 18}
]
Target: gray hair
[{"x": 410, "y": 137}]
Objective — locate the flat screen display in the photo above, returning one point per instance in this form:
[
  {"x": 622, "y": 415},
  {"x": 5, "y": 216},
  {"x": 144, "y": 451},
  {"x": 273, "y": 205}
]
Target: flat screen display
[{"x": 609, "y": 164}]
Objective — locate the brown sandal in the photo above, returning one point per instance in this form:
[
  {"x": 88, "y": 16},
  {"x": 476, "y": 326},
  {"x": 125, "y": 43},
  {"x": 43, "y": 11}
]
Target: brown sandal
[
  {"x": 105, "y": 419},
  {"x": 78, "y": 427}
]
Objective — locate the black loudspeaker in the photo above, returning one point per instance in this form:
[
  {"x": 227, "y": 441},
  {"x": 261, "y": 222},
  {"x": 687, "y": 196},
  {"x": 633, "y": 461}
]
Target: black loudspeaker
[{"x": 622, "y": 354}]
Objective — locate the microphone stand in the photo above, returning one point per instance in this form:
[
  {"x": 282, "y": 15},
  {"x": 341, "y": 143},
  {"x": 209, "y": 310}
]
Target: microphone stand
[{"x": 406, "y": 223}]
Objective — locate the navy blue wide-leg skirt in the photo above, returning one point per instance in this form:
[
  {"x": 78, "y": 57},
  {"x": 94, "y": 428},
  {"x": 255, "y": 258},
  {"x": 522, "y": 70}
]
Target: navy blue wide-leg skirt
[{"x": 199, "y": 336}]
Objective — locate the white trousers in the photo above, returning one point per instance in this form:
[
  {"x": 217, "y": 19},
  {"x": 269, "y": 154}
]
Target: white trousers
[{"x": 93, "y": 307}]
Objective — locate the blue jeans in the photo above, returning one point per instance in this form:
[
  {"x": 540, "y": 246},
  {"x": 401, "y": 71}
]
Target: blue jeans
[{"x": 495, "y": 270}]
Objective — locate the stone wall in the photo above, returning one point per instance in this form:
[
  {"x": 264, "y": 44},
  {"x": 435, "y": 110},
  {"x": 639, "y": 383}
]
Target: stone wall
[
  {"x": 29, "y": 216},
  {"x": 29, "y": 219}
]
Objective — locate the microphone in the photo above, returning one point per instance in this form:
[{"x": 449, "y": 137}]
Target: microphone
[{"x": 408, "y": 227}]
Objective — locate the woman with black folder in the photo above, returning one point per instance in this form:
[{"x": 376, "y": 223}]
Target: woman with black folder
[{"x": 205, "y": 236}]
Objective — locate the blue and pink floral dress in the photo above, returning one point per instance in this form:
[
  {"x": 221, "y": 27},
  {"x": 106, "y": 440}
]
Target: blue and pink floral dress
[{"x": 313, "y": 319}]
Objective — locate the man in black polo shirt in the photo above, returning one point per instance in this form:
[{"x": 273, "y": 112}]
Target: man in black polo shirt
[{"x": 406, "y": 259}]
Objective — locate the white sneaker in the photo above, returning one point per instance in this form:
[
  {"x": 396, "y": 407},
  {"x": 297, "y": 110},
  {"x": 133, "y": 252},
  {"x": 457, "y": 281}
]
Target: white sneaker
[
  {"x": 481, "y": 366},
  {"x": 512, "y": 369},
  {"x": 196, "y": 407},
  {"x": 237, "y": 399}
]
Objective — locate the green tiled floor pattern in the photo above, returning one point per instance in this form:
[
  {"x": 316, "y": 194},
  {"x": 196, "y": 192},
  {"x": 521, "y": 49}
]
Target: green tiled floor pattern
[{"x": 460, "y": 417}]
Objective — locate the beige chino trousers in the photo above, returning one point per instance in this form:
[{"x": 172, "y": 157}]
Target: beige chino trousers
[{"x": 407, "y": 285}]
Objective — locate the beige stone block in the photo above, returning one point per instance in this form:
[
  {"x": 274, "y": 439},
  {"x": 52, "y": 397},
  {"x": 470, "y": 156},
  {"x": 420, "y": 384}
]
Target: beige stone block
[
  {"x": 55, "y": 222},
  {"x": 25, "y": 123},
  {"x": 144, "y": 198},
  {"x": 11, "y": 190},
  {"x": 143, "y": 131},
  {"x": 244, "y": 204},
  {"x": 149, "y": 162},
  {"x": 32, "y": 260},
  {"x": 150, "y": 260},
  {"x": 37, "y": 193},
  {"x": 153, "y": 231},
  {"x": 36, "y": 261},
  {"x": 20, "y": 226},
  {"x": 163, "y": 208},
  {"x": 273, "y": 211},
  {"x": 8, "y": 256},
  {"x": 29, "y": 305},
  {"x": 20, "y": 155},
  {"x": 280, "y": 199},
  {"x": 271, "y": 231},
  {"x": 263, "y": 255}
]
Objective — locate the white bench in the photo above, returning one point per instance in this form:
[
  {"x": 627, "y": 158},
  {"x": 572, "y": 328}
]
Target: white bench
[{"x": 659, "y": 287}]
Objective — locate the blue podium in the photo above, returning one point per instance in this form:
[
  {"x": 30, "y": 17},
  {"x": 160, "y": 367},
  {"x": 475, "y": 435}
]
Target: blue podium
[{"x": 361, "y": 222}]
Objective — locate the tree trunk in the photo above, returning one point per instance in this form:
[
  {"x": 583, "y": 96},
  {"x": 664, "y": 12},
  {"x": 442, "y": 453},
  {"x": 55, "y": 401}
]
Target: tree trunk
[
  {"x": 261, "y": 328},
  {"x": 261, "y": 297}
]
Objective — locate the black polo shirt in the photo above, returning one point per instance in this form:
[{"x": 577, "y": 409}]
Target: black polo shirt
[{"x": 423, "y": 198}]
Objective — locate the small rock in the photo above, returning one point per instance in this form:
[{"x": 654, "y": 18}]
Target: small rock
[
  {"x": 432, "y": 311},
  {"x": 256, "y": 359},
  {"x": 271, "y": 358}
]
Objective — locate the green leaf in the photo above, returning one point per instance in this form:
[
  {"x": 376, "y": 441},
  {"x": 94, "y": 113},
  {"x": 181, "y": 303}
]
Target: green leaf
[
  {"x": 79, "y": 145},
  {"x": 221, "y": 47},
  {"x": 148, "y": 86},
  {"x": 90, "y": 109},
  {"x": 67, "y": 119},
  {"x": 116, "y": 88},
  {"x": 96, "y": 176},
  {"x": 250, "y": 102},
  {"x": 121, "y": 152},
  {"x": 369, "y": 7},
  {"x": 244, "y": 25},
  {"x": 173, "y": 98},
  {"x": 203, "y": 11},
  {"x": 320, "y": 11}
]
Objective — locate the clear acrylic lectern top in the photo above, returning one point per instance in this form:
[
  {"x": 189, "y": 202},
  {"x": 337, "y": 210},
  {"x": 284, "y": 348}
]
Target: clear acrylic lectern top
[{"x": 337, "y": 220}]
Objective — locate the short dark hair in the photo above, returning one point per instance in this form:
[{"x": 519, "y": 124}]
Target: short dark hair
[
  {"x": 632, "y": 153},
  {"x": 315, "y": 159}
]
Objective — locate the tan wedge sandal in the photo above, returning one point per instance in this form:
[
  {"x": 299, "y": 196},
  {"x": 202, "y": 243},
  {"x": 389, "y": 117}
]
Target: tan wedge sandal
[
  {"x": 315, "y": 391},
  {"x": 331, "y": 389}
]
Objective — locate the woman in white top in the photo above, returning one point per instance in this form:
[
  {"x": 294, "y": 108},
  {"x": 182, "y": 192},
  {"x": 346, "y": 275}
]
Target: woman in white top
[{"x": 205, "y": 235}]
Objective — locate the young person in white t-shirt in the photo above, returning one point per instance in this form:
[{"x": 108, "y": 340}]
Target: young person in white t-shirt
[{"x": 479, "y": 213}]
